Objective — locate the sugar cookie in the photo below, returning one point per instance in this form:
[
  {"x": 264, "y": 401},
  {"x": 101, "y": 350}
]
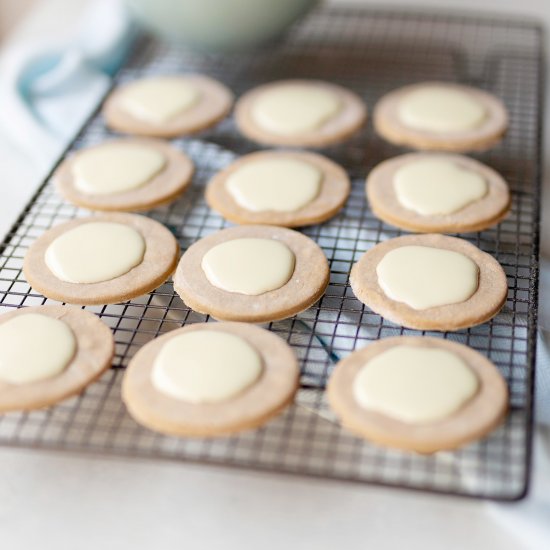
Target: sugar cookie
[
  {"x": 454, "y": 193},
  {"x": 124, "y": 175},
  {"x": 91, "y": 352},
  {"x": 201, "y": 411},
  {"x": 124, "y": 256},
  {"x": 291, "y": 189},
  {"x": 300, "y": 113},
  {"x": 227, "y": 299},
  {"x": 475, "y": 413},
  {"x": 167, "y": 106},
  {"x": 469, "y": 290},
  {"x": 441, "y": 115}
]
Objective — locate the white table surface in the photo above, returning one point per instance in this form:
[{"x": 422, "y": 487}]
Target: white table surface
[
  {"x": 79, "y": 502},
  {"x": 82, "y": 502}
]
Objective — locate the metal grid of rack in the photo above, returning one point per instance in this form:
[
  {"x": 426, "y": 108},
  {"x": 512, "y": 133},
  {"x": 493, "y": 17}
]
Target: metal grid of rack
[{"x": 370, "y": 52}]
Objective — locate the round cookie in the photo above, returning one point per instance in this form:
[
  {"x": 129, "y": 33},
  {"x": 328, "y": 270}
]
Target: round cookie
[
  {"x": 164, "y": 187},
  {"x": 213, "y": 104},
  {"x": 159, "y": 261},
  {"x": 476, "y": 216},
  {"x": 334, "y": 191},
  {"x": 305, "y": 286},
  {"x": 475, "y": 419},
  {"x": 264, "y": 399},
  {"x": 93, "y": 355},
  {"x": 338, "y": 128},
  {"x": 388, "y": 123},
  {"x": 483, "y": 304}
]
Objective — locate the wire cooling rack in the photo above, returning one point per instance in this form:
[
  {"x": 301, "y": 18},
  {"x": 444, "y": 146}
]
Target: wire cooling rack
[{"x": 370, "y": 52}]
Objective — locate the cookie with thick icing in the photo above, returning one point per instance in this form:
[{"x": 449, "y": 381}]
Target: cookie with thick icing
[
  {"x": 441, "y": 116},
  {"x": 101, "y": 259},
  {"x": 418, "y": 393},
  {"x": 49, "y": 353},
  {"x": 210, "y": 379},
  {"x": 124, "y": 175},
  {"x": 437, "y": 193},
  {"x": 300, "y": 113},
  {"x": 252, "y": 273},
  {"x": 285, "y": 188},
  {"x": 430, "y": 282},
  {"x": 167, "y": 106}
]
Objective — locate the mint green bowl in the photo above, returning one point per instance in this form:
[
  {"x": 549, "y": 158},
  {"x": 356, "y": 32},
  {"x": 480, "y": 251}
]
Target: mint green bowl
[{"x": 219, "y": 25}]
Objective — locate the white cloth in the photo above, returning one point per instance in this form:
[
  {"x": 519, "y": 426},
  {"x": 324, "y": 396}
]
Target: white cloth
[
  {"x": 529, "y": 520},
  {"x": 46, "y": 89},
  {"x": 543, "y": 351}
]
